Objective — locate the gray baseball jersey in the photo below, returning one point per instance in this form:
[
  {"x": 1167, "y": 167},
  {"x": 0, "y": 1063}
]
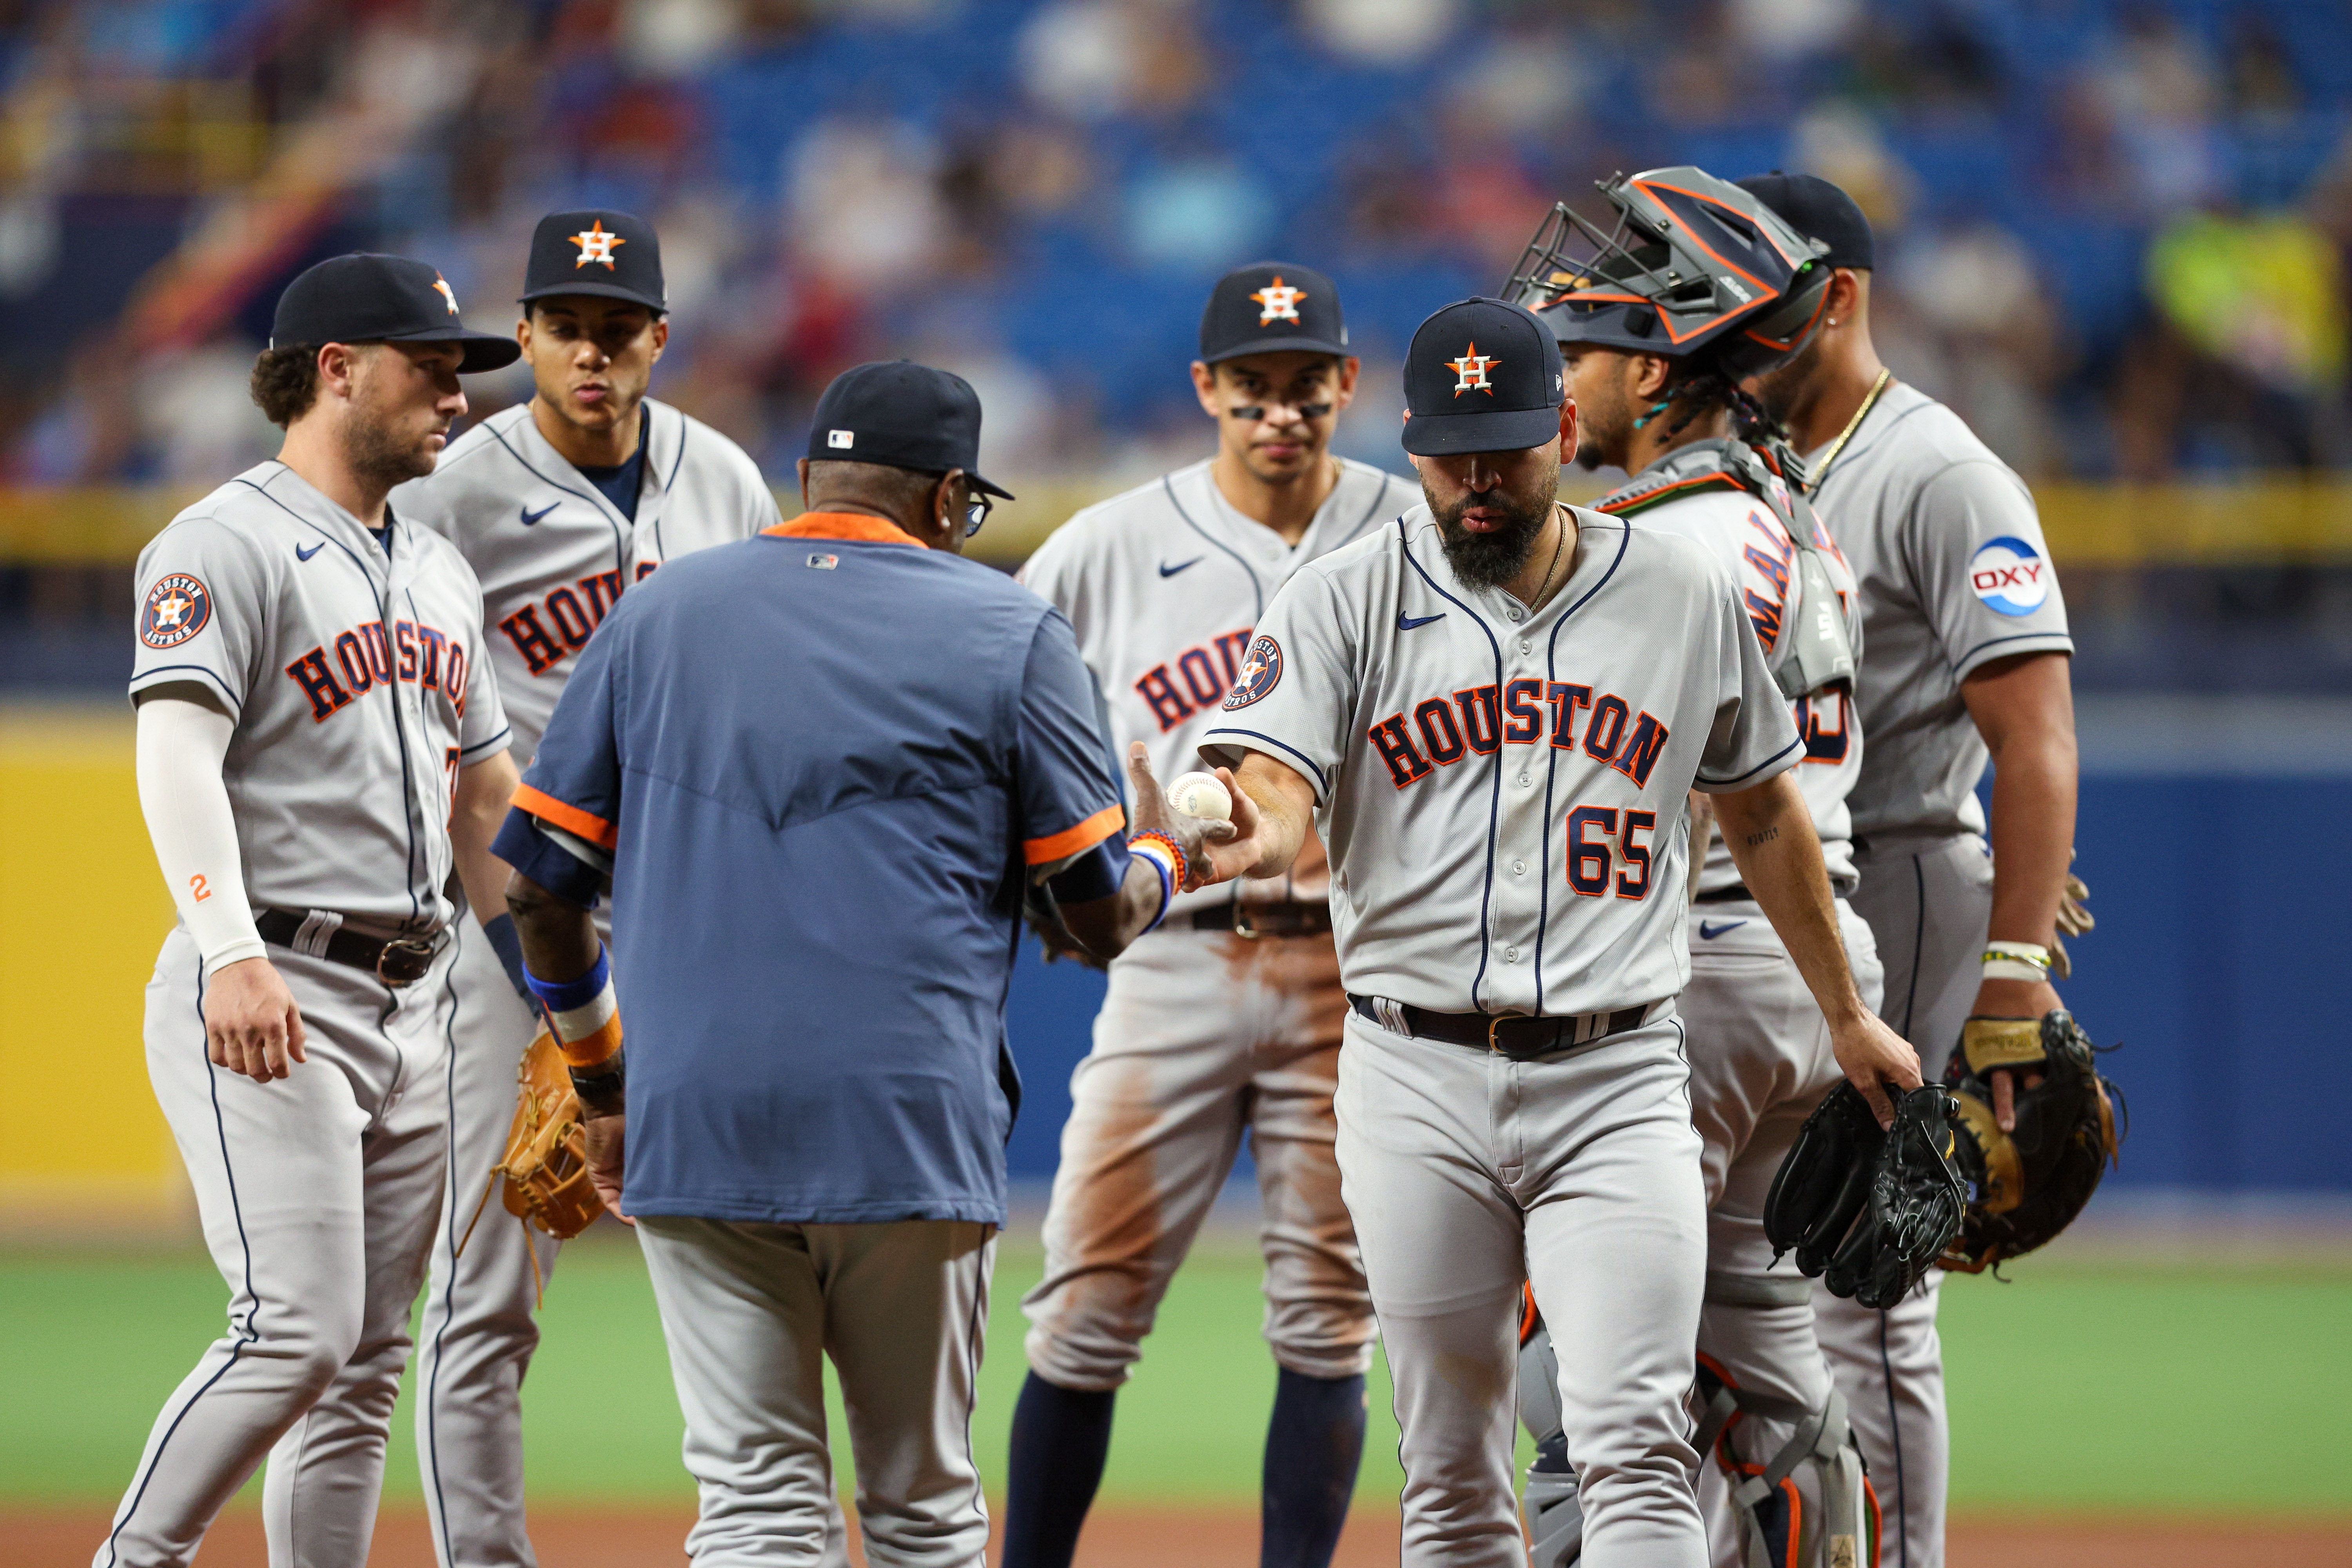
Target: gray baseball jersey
[
  {"x": 1948, "y": 549},
  {"x": 1503, "y": 795},
  {"x": 356, "y": 681},
  {"x": 553, "y": 554},
  {"x": 1753, "y": 546},
  {"x": 1164, "y": 586}
]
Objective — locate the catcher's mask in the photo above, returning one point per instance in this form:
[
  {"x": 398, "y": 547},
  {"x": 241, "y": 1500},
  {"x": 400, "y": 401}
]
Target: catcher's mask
[{"x": 1692, "y": 263}]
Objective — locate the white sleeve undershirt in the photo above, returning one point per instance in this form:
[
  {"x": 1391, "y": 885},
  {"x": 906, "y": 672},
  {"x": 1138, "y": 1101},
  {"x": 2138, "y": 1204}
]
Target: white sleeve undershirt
[{"x": 181, "y": 748}]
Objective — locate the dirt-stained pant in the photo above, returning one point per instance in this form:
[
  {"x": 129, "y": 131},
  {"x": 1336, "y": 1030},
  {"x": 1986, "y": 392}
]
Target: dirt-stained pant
[
  {"x": 1468, "y": 1173},
  {"x": 1203, "y": 1035},
  {"x": 1929, "y": 903},
  {"x": 751, "y": 1312},
  {"x": 318, "y": 1193},
  {"x": 1760, "y": 1061}
]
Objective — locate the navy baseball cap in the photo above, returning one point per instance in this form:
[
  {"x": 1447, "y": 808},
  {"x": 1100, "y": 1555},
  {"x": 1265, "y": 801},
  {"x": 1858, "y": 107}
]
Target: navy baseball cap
[
  {"x": 1818, "y": 210},
  {"x": 1482, "y": 376},
  {"x": 368, "y": 297},
  {"x": 596, "y": 251},
  {"x": 902, "y": 414},
  {"x": 1269, "y": 306}
]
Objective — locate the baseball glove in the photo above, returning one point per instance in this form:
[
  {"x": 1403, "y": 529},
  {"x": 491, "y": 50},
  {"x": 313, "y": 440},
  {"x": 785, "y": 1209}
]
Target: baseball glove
[
  {"x": 2028, "y": 1185},
  {"x": 1868, "y": 1210},
  {"x": 546, "y": 1162}
]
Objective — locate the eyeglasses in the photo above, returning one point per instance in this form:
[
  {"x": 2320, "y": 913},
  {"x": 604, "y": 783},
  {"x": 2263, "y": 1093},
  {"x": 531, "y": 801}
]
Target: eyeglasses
[{"x": 975, "y": 512}]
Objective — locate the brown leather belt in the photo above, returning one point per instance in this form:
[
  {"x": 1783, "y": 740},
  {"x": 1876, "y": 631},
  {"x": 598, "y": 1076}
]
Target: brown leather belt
[
  {"x": 1264, "y": 920},
  {"x": 402, "y": 960},
  {"x": 1506, "y": 1034}
]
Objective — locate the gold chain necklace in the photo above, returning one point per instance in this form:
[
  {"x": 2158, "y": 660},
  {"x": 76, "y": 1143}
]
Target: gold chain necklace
[{"x": 1853, "y": 424}]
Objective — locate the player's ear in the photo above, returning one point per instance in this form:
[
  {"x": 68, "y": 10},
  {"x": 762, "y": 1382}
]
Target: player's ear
[
  {"x": 1204, "y": 387},
  {"x": 1567, "y": 431},
  {"x": 803, "y": 466},
  {"x": 661, "y": 336},
  {"x": 1348, "y": 367}
]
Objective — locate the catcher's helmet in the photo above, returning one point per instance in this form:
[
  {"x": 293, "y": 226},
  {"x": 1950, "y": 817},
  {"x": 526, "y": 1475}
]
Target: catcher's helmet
[{"x": 1694, "y": 264}]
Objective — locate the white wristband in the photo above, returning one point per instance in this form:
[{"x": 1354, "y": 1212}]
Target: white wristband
[{"x": 2026, "y": 961}]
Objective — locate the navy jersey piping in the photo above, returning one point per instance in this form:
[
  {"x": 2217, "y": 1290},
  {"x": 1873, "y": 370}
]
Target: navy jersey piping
[
  {"x": 1321, "y": 786},
  {"x": 1551, "y": 761},
  {"x": 1257, "y": 589},
  {"x": 1758, "y": 768},
  {"x": 431, "y": 1392},
  {"x": 2066, "y": 638},
  {"x": 145, "y": 681},
  {"x": 1379, "y": 496},
  {"x": 1495, "y": 790},
  {"x": 613, "y": 520},
  {"x": 246, "y": 1335}
]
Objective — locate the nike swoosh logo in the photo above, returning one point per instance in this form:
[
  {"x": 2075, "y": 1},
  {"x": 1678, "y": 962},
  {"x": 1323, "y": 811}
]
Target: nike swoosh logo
[
  {"x": 531, "y": 517},
  {"x": 1406, "y": 622},
  {"x": 1708, "y": 931},
  {"x": 1168, "y": 571},
  {"x": 303, "y": 554}
]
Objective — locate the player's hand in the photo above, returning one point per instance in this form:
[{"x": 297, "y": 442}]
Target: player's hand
[
  {"x": 251, "y": 1025},
  {"x": 1196, "y": 834},
  {"x": 606, "y": 1136},
  {"x": 2012, "y": 999},
  {"x": 1873, "y": 1055}
]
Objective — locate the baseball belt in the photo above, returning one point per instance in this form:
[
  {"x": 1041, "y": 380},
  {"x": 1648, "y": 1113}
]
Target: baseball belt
[
  {"x": 1736, "y": 893},
  {"x": 1505, "y": 1034},
  {"x": 401, "y": 960},
  {"x": 1264, "y": 920}
]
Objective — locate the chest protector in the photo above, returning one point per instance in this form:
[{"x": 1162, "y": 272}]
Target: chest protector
[{"x": 1813, "y": 650}]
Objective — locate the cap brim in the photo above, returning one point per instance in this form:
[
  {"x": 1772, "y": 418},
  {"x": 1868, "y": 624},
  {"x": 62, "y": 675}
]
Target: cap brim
[
  {"x": 986, "y": 486},
  {"x": 1445, "y": 435},
  {"x": 1277, "y": 345},
  {"x": 484, "y": 350}
]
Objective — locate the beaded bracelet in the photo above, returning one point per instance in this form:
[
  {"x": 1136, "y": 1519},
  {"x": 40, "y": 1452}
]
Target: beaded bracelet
[{"x": 1179, "y": 868}]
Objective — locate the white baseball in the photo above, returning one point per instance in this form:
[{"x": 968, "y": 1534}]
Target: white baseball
[{"x": 1200, "y": 794}]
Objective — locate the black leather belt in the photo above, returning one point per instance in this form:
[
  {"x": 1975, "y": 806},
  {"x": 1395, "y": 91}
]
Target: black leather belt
[
  {"x": 1264, "y": 920},
  {"x": 1506, "y": 1034},
  {"x": 1736, "y": 893},
  {"x": 402, "y": 960}
]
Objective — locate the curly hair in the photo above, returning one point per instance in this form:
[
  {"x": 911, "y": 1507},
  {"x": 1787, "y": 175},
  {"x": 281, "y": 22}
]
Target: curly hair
[{"x": 284, "y": 382}]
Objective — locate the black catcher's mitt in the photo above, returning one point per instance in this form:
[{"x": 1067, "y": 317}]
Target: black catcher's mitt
[
  {"x": 1868, "y": 1210},
  {"x": 2026, "y": 1186}
]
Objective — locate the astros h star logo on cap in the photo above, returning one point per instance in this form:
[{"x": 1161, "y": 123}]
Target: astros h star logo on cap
[
  {"x": 1277, "y": 301},
  {"x": 1471, "y": 369},
  {"x": 441, "y": 287},
  {"x": 595, "y": 245}
]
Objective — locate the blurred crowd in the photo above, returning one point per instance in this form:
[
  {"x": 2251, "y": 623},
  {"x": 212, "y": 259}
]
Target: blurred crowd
[{"x": 2118, "y": 237}]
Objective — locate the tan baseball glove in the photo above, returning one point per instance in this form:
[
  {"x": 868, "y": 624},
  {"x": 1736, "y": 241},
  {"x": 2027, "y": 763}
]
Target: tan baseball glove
[{"x": 546, "y": 1163}]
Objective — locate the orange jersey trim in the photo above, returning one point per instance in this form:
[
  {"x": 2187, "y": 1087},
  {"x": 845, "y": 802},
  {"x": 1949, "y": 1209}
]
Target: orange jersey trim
[
  {"x": 1071, "y": 840},
  {"x": 570, "y": 818},
  {"x": 845, "y": 525}
]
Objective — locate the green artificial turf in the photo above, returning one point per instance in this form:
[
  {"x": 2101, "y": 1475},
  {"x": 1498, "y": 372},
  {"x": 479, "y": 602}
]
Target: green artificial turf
[{"x": 2123, "y": 1389}]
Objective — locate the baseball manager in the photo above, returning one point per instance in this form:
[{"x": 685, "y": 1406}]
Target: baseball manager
[{"x": 821, "y": 765}]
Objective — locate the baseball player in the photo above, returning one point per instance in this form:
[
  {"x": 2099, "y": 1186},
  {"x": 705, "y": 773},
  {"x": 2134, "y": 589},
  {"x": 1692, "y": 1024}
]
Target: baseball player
[
  {"x": 1494, "y": 710},
  {"x": 1969, "y": 659},
  {"x": 560, "y": 504},
  {"x": 320, "y": 746},
  {"x": 1665, "y": 405},
  {"x": 1226, "y": 1019}
]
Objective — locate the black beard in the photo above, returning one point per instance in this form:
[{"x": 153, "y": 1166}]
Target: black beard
[{"x": 1491, "y": 559}]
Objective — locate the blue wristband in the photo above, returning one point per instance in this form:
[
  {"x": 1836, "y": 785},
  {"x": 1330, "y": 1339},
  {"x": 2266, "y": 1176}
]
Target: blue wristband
[{"x": 561, "y": 996}]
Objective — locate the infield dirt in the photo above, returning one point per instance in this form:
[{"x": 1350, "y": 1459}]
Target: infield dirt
[{"x": 1199, "y": 1538}]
